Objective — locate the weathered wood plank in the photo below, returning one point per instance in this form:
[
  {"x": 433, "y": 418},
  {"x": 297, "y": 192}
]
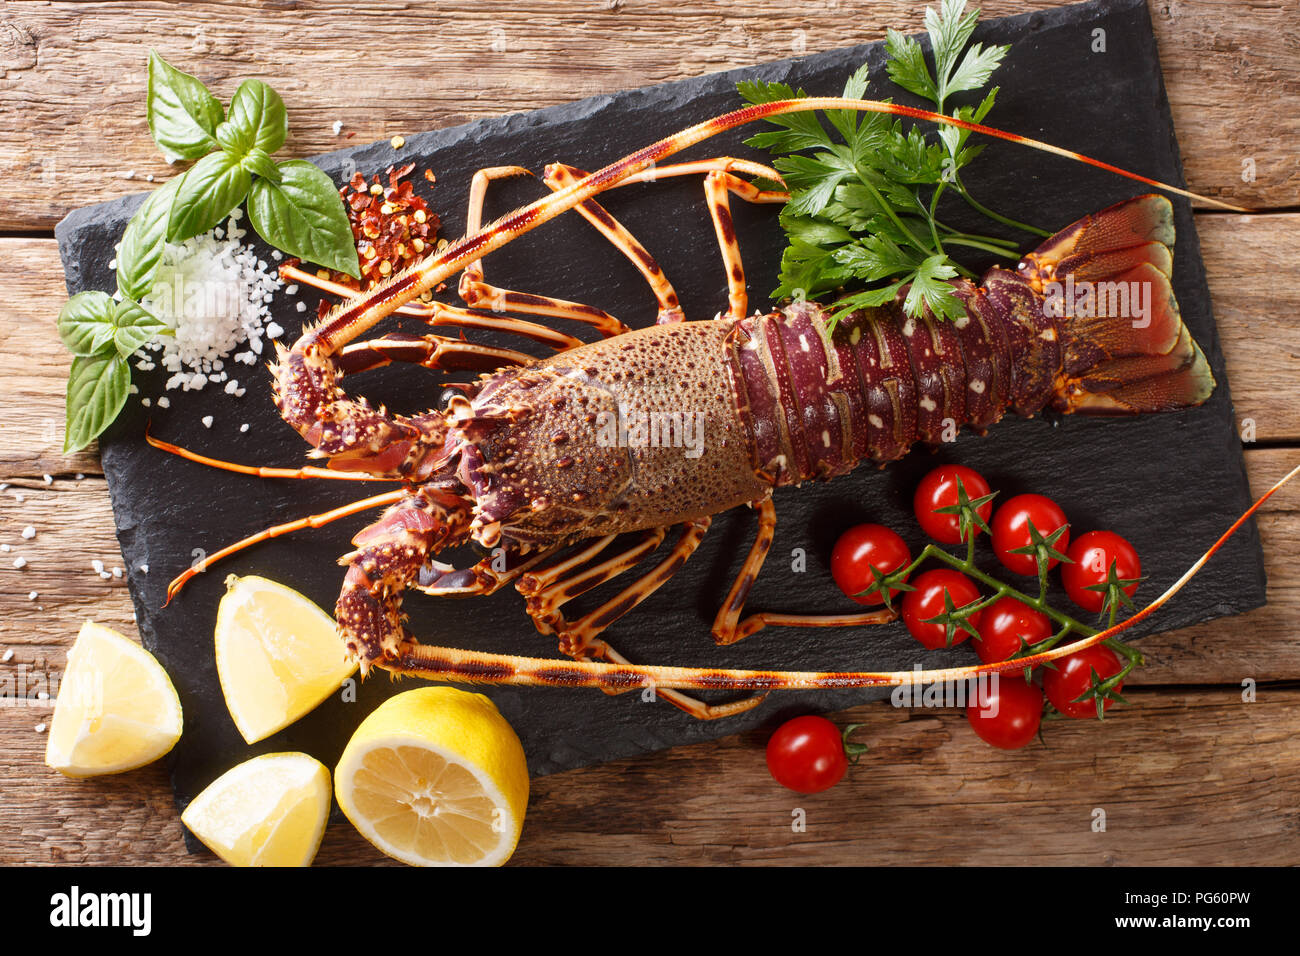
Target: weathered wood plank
[
  {"x": 1184, "y": 778},
  {"x": 1246, "y": 258},
  {"x": 72, "y": 75},
  {"x": 74, "y": 527}
]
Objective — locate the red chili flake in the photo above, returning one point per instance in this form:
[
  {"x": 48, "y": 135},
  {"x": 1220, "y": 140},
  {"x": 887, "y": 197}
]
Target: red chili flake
[{"x": 392, "y": 226}]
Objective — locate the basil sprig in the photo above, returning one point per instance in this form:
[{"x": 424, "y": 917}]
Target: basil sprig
[{"x": 293, "y": 206}]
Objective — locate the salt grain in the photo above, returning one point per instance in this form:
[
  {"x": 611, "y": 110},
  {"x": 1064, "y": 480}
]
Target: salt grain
[
  {"x": 302, "y": 306},
  {"x": 19, "y": 497},
  {"x": 207, "y": 421},
  {"x": 164, "y": 402},
  {"x": 144, "y": 569},
  {"x": 40, "y": 728},
  {"x": 32, "y": 595},
  {"x": 48, "y": 479},
  {"x": 98, "y": 565},
  {"x": 5, "y": 548},
  {"x": 117, "y": 572},
  {"x": 29, "y": 532},
  {"x": 8, "y": 656},
  {"x": 20, "y": 563},
  {"x": 244, "y": 427},
  {"x": 225, "y": 303},
  {"x": 293, "y": 289},
  {"x": 337, "y": 126}
]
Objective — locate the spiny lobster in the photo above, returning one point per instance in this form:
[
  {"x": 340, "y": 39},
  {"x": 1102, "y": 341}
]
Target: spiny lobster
[{"x": 516, "y": 461}]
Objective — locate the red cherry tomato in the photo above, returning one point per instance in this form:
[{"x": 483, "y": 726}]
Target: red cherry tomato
[
  {"x": 1004, "y": 624},
  {"x": 1092, "y": 554},
  {"x": 938, "y": 489},
  {"x": 927, "y": 602},
  {"x": 1010, "y": 529},
  {"x": 1008, "y": 712},
  {"x": 807, "y": 754},
  {"x": 861, "y": 548},
  {"x": 1073, "y": 677}
]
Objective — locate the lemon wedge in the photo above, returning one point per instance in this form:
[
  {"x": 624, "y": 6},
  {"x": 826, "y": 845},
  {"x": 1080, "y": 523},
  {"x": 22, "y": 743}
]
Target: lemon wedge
[
  {"x": 436, "y": 777},
  {"x": 116, "y": 709},
  {"x": 278, "y": 655},
  {"x": 268, "y": 811}
]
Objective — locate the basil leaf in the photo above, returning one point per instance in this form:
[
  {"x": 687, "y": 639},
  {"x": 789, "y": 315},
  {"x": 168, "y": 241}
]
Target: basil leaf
[
  {"x": 86, "y": 323},
  {"x": 183, "y": 115},
  {"x": 97, "y": 390},
  {"x": 259, "y": 163},
  {"x": 135, "y": 326},
  {"x": 303, "y": 216},
  {"x": 142, "y": 243},
  {"x": 258, "y": 112},
  {"x": 215, "y": 185},
  {"x": 235, "y": 140}
]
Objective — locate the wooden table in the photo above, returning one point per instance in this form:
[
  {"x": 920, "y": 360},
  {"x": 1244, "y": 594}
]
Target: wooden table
[{"x": 1189, "y": 774}]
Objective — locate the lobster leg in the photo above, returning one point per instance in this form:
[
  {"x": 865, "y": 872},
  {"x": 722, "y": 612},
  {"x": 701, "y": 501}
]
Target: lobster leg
[
  {"x": 431, "y": 351},
  {"x": 546, "y": 595},
  {"x": 559, "y": 176},
  {"x": 481, "y": 579},
  {"x": 728, "y": 628},
  {"x": 439, "y": 313},
  {"x": 580, "y": 639},
  {"x": 477, "y": 293}
]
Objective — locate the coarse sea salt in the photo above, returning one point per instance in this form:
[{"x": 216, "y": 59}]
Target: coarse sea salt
[{"x": 214, "y": 292}]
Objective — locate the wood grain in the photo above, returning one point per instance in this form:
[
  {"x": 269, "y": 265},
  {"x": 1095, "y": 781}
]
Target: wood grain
[{"x": 386, "y": 67}]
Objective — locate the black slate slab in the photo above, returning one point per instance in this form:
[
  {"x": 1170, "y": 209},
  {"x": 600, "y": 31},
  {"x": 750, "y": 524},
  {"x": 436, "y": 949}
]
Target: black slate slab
[{"x": 1141, "y": 477}]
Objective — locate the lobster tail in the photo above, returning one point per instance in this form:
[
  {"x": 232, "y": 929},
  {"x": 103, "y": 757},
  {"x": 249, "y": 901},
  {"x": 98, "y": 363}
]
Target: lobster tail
[{"x": 1104, "y": 284}]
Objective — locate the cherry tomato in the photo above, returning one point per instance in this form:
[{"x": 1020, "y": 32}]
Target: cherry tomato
[
  {"x": 1008, "y": 712},
  {"x": 807, "y": 754},
  {"x": 1092, "y": 554},
  {"x": 1073, "y": 676},
  {"x": 861, "y": 548},
  {"x": 938, "y": 489},
  {"x": 1010, "y": 529},
  {"x": 1004, "y": 624},
  {"x": 927, "y": 601}
]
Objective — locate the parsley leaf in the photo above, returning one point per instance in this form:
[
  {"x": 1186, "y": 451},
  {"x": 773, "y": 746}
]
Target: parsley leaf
[{"x": 864, "y": 194}]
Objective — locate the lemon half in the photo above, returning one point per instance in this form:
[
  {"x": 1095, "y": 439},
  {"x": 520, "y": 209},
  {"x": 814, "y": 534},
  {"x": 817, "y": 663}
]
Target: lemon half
[
  {"x": 278, "y": 655},
  {"x": 268, "y": 811},
  {"x": 436, "y": 777},
  {"x": 116, "y": 709}
]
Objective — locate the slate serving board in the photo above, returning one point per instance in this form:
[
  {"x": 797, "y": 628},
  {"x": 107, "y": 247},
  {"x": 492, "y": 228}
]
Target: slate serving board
[{"x": 1137, "y": 476}]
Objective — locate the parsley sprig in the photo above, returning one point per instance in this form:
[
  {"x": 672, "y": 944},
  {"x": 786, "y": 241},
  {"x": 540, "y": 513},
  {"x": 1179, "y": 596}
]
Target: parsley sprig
[{"x": 863, "y": 208}]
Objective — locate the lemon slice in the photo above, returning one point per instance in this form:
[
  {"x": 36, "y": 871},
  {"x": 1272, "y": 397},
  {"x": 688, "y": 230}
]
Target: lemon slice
[
  {"x": 116, "y": 709},
  {"x": 268, "y": 811},
  {"x": 278, "y": 655},
  {"x": 436, "y": 777}
]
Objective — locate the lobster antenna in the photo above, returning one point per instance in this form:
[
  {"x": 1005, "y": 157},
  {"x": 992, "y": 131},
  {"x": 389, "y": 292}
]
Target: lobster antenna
[
  {"x": 354, "y": 317},
  {"x": 443, "y": 663},
  {"x": 311, "y": 521},
  {"x": 260, "y": 471}
]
